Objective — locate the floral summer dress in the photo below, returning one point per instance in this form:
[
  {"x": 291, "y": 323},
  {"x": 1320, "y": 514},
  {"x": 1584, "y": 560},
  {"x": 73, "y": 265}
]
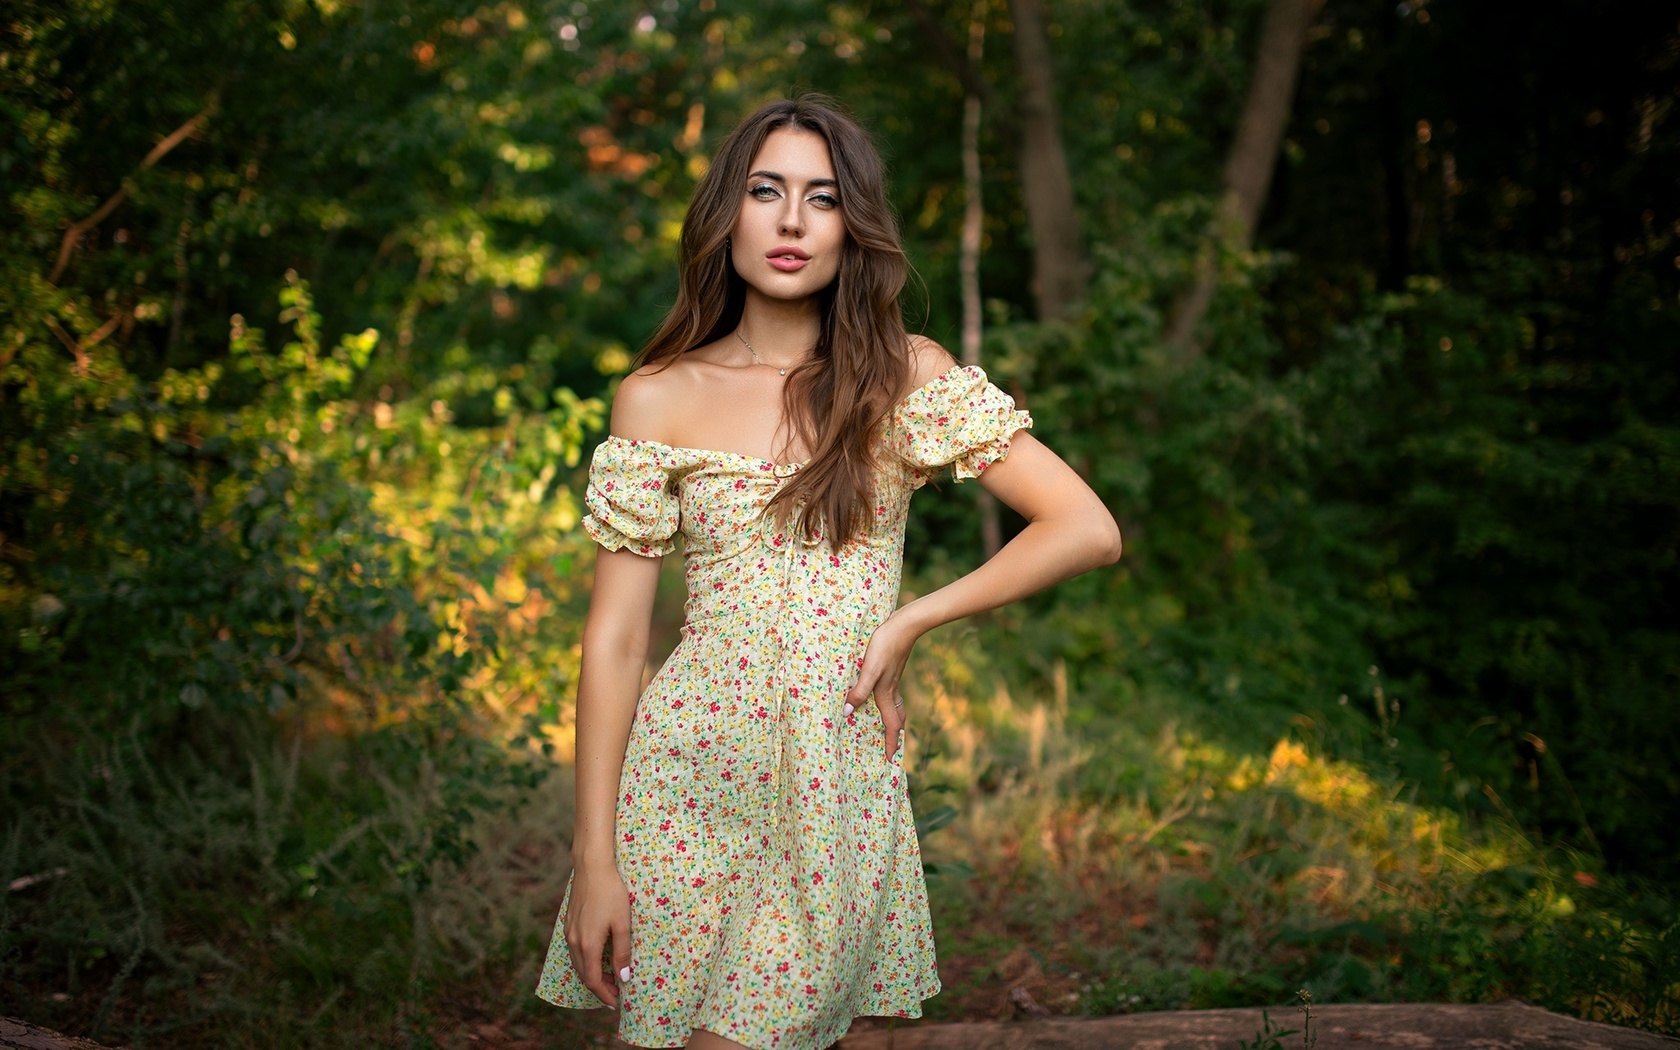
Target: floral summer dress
[{"x": 769, "y": 850}]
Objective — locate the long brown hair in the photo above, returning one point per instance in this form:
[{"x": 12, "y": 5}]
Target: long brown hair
[{"x": 861, "y": 361}]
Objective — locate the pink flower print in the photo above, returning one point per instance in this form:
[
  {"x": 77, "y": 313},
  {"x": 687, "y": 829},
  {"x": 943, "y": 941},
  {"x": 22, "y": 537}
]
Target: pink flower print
[{"x": 739, "y": 657}]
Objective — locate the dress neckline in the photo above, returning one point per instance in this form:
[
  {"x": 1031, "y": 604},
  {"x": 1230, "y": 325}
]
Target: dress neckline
[
  {"x": 715, "y": 452},
  {"x": 723, "y": 452}
]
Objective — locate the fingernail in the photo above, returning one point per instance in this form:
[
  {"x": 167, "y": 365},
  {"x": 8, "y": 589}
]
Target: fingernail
[
  {"x": 848, "y": 709},
  {"x": 624, "y": 974}
]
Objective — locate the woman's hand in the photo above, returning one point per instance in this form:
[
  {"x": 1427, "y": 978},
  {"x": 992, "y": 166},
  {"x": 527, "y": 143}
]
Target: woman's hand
[
  {"x": 883, "y": 665},
  {"x": 600, "y": 907}
]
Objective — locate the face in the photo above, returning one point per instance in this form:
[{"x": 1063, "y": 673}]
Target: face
[{"x": 790, "y": 231}]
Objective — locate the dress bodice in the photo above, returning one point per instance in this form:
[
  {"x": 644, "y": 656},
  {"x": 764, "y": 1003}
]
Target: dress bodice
[{"x": 643, "y": 495}]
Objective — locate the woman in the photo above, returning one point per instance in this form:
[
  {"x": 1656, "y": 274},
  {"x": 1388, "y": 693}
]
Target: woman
[{"x": 745, "y": 864}]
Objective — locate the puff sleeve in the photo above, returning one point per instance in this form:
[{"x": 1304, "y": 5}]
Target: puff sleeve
[
  {"x": 960, "y": 419},
  {"x": 631, "y": 504}
]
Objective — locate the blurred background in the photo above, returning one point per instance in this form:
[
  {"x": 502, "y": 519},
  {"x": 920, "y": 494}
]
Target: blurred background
[{"x": 1362, "y": 317}]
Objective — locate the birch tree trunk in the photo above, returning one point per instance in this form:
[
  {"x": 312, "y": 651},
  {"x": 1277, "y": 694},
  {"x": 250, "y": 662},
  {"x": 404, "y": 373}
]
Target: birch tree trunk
[{"x": 991, "y": 531}]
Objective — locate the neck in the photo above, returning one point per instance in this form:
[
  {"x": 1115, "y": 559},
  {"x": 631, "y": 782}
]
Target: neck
[{"x": 782, "y": 331}]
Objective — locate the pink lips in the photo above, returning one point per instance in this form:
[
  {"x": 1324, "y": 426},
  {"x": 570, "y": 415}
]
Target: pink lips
[{"x": 787, "y": 258}]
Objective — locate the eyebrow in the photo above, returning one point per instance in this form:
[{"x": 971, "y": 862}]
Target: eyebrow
[{"x": 781, "y": 179}]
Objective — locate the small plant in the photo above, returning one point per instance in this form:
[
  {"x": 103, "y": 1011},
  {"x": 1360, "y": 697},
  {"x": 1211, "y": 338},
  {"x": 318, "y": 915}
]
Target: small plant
[{"x": 1268, "y": 1038}]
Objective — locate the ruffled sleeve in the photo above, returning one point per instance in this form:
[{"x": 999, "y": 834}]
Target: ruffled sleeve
[
  {"x": 631, "y": 504},
  {"x": 958, "y": 419}
]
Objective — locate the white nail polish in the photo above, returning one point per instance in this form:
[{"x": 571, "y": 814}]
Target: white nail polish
[
  {"x": 624, "y": 974},
  {"x": 848, "y": 709}
]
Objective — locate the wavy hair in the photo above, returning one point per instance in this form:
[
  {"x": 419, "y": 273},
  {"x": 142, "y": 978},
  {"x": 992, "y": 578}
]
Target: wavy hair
[{"x": 840, "y": 395}]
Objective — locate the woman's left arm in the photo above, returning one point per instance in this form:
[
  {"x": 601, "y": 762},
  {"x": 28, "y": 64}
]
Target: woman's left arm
[{"x": 1069, "y": 531}]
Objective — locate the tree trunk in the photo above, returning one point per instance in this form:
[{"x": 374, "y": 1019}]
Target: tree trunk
[
  {"x": 1252, "y": 158},
  {"x": 1391, "y": 133},
  {"x": 1059, "y": 273},
  {"x": 991, "y": 531}
]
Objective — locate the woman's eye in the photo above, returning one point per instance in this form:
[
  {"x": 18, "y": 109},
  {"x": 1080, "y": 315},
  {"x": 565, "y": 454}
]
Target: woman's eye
[
  {"x": 763, "y": 191},
  {"x": 827, "y": 200}
]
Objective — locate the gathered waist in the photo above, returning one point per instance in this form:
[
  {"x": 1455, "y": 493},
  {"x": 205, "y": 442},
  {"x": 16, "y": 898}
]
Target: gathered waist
[{"x": 836, "y": 614}]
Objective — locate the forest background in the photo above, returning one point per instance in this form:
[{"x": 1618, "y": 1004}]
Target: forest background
[{"x": 1362, "y": 317}]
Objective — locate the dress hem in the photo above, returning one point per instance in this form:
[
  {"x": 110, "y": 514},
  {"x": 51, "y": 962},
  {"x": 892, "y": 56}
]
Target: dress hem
[{"x": 912, "y": 1012}]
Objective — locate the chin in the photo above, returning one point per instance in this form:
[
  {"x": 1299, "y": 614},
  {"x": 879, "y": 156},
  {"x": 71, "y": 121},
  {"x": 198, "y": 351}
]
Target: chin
[{"x": 790, "y": 291}]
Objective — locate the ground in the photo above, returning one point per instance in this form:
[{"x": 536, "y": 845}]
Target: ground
[{"x": 1508, "y": 1025}]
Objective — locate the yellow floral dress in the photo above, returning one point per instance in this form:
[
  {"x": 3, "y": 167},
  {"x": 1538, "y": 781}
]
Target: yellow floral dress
[{"x": 769, "y": 850}]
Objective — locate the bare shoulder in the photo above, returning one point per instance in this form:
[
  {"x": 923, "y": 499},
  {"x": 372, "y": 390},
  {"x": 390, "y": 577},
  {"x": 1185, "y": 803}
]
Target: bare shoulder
[
  {"x": 643, "y": 404},
  {"x": 928, "y": 361}
]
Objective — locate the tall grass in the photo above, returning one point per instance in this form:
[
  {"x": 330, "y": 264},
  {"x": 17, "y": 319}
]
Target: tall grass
[{"x": 279, "y": 894}]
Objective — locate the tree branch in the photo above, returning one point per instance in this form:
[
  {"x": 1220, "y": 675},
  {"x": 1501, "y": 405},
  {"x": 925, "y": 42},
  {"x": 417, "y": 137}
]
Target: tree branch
[
  {"x": 79, "y": 349},
  {"x": 967, "y": 72},
  {"x": 74, "y": 234}
]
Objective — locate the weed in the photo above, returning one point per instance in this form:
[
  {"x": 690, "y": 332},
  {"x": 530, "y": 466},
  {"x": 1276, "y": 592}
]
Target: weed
[{"x": 1269, "y": 1037}]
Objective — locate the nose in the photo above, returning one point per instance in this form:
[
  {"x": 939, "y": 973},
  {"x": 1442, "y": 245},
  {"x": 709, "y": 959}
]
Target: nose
[{"x": 792, "y": 221}]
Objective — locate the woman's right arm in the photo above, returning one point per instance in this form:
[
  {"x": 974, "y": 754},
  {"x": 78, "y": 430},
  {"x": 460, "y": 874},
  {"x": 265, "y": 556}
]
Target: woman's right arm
[{"x": 615, "y": 645}]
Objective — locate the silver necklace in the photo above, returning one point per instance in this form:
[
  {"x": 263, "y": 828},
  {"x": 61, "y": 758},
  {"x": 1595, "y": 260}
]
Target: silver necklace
[{"x": 750, "y": 350}]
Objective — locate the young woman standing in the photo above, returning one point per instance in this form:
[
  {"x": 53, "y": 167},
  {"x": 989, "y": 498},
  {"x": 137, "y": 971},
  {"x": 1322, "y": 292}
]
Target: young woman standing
[{"x": 745, "y": 864}]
